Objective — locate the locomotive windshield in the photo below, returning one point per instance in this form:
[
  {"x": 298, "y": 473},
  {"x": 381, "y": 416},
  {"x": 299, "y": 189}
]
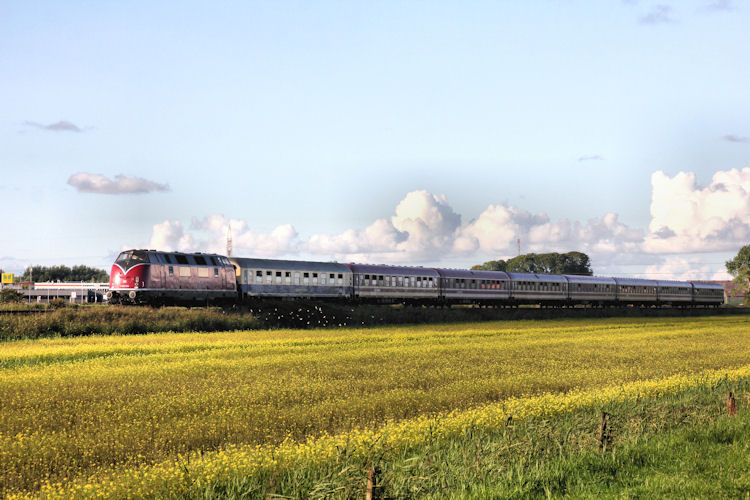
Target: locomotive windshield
[{"x": 128, "y": 259}]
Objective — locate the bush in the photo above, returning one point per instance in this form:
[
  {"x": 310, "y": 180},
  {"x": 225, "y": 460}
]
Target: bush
[
  {"x": 69, "y": 320},
  {"x": 9, "y": 295}
]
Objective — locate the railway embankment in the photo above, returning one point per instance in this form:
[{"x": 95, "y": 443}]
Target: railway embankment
[{"x": 82, "y": 320}]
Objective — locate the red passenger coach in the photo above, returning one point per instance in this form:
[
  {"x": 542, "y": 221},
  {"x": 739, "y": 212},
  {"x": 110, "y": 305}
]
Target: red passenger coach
[{"x": 151, "y": 277}]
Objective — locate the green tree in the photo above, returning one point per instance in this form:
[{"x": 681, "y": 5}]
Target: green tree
[
  {"x": 490, "y": 265},
  {"x": 65, "y": 273},
  {"x": 739, "y": 267},
  {"x": 543, "y": 263}
]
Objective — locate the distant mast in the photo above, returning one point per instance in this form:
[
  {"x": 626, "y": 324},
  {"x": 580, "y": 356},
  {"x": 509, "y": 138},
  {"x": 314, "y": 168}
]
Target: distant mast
[{"x": 229, "y": 240}]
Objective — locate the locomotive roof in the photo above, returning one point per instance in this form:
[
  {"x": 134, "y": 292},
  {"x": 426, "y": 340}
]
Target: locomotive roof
[
  {"x": 151, "y": 250},
  {"x": 402, "y": 270},
  {"x": 290, "y": 265}
]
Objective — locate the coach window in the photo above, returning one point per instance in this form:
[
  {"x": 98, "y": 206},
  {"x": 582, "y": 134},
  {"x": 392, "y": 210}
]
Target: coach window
[
  {"x": 341, "y": 279},
  {"x": 406, "y": 281},
  {"x": 278, "y": 277},
  {"x": 171, "y": 271},
  {"x": 296, "y": 278},
  {"x": 287, "y": 278},
  {"x": 269, "y": 277},
  {"x": 315, "y": 278},
  {"x": 216, "y": 272},
  {"x": 306, "y": 278},
  {"x": 259, "y": 276}
]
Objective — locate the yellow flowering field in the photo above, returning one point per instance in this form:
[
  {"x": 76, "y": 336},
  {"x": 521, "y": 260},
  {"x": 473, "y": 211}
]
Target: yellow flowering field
[{"x": 128, "y": 407}]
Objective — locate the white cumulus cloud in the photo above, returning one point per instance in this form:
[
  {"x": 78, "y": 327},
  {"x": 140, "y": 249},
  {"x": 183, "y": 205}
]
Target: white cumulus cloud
[
  {"x": 677, "y": 267},
  {"x": 170, "y": 236},
  {"x": 686, "y": 217},
  {"x": 689, "y": 224}
]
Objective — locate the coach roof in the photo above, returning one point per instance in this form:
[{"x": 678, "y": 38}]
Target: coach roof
[
  {"x": 289, "y": 265},
  {"x": 402, "y": 270},
  {"x": 468, "y": 274}
]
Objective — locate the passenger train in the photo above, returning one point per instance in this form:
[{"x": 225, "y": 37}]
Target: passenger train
[{"x": 155, "y": 277}]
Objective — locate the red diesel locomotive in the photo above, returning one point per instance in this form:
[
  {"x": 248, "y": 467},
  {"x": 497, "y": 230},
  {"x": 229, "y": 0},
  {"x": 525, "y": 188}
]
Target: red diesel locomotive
[{"x": 152, "y": 277}]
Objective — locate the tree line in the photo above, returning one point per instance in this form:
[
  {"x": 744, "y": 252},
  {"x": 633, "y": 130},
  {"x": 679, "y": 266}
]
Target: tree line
[
  {"x": 64, "y": 273},
  {"x": 542, "y": 263}
]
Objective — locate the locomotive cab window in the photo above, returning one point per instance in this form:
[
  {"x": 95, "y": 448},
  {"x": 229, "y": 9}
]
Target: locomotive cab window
[{"x": 126, "y": 260}]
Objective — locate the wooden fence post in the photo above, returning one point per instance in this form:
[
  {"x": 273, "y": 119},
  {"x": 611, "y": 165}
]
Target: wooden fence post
[
  {"x": 605, "y": 433},
  {"x": 731, "y": 405},
  {"x": 370, "y": 483}
]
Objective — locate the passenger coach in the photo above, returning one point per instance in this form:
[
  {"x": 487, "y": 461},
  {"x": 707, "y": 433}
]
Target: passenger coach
[
  {"x": 390, "y": 284},
  {"x": 292, "y": 278}
]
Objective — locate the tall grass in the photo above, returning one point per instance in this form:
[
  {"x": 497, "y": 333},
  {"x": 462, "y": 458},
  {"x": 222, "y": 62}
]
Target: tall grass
[
  {"x": 72, "y": 320},
  {"x": 75, "y": 321}
]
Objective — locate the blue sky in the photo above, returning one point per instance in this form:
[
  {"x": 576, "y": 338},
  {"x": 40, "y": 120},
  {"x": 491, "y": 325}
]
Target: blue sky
[{"x": 434, "y": 133}]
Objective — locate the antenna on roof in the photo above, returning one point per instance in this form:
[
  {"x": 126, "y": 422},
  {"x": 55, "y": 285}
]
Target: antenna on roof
[{"x": 229, "y": 239}]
